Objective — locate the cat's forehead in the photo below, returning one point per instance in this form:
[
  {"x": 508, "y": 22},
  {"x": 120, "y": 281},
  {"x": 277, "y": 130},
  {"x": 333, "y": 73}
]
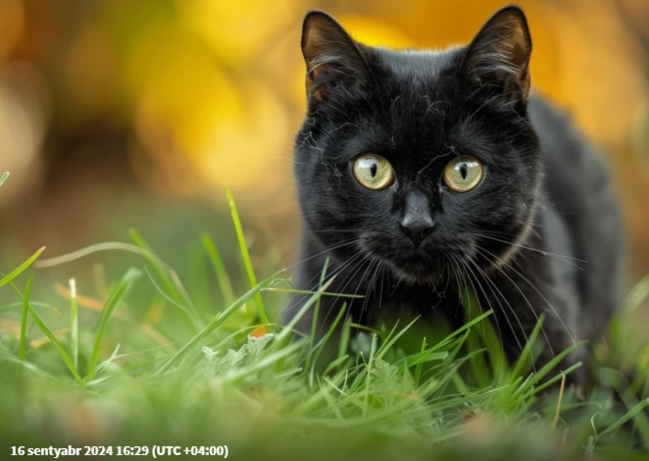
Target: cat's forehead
[
  {"x": 411, "y": 65},
  {"x": 416, "y": 83},
  {"x": 412, "y": 101}
]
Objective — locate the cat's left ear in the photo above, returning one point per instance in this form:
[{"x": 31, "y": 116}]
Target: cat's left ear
[
  {"x": 500, "y": 54},
  {"x": 332, "y": 56}
]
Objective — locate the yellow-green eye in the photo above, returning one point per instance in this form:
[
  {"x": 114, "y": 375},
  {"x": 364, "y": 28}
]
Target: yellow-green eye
[
  {"x": 373, "y": 171},
  {"x": 463, "y": 173}
]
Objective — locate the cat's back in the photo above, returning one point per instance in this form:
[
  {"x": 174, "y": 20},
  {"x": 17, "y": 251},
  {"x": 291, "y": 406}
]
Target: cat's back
[
  {"x": 570, "y": 160},
  {"x": 576, "y": 175},
  {"x": 577, "y": 190}
]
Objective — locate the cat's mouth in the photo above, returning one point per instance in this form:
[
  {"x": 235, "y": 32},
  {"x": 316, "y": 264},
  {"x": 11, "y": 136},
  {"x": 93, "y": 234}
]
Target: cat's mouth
[
  {"x": 416, "y": 274},
  {"x": 418, "y": 267},
  {"x": 424, "y": 265}
]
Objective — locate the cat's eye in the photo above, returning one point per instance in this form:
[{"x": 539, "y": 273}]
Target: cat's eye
[
  {"x": 373, "y": 171},
  {"x": 463, "y": 173}
]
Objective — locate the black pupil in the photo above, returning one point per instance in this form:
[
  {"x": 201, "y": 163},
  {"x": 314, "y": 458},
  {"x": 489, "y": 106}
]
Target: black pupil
[
  {"x": 373, "y": 169},
  {"x": 463, "y": 170}
]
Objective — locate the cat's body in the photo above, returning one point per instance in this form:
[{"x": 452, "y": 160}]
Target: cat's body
[{"x": 538, "y": 234}]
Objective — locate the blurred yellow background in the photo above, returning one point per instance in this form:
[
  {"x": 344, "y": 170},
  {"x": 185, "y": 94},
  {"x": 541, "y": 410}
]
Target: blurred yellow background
[{"x": 115, "y": 112}]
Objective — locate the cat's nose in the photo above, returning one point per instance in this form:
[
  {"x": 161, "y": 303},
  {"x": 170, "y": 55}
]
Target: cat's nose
[{"x": 417, "y": 226}]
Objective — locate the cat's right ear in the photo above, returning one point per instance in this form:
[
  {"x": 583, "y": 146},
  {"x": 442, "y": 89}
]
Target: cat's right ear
[
  {"x": 331, "y": 55},
  {"x": 499, "y": 55}
]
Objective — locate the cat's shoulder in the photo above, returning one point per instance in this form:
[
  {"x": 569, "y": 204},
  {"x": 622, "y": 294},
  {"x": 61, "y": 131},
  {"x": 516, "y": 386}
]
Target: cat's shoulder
[
  {"x": 551, "y": 122},
  {"x": 561, "y": 139}
]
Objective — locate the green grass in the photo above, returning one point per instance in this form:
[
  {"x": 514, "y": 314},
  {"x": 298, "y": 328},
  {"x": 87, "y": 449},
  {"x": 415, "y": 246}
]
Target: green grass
[{"x": 148, "y": 364}]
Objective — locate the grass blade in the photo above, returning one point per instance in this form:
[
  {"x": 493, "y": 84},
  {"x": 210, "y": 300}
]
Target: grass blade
[
  {"x": 637, "y": 295},
  {"x": 345, "y": 337},
  {"x": 551, "y": 381},
  {"x": 74, "y": 322},
  {"x": 33, "y": 368},
  {"x": 23, "y": 318},
  {"x": 309, "y": 292},
  {"x": 92, "y": 249},
  {"x": 165, "y": 295},
  {"x": 385, "y": 347},
  {"x": 14, "y": 273},
  {"x": 528, "y": 352},
  {"x": 288, "y": 329},
  {"x": 216, "y": 321},
  {"x": 630, "y": 414},
  {"x": 318, "y": 348},
  {"x": 316, "y": 314},
  {"x": 222, "y": 277},
  {"x": 5, "y": 175},
  {"x": 368, "y": 379},
  {"x": 455, "y": 333},
  {"x": 164, "y": 275},
  {"x": 423, "y": 357},
  {"x": 475, "y": 340},
  {"x": 246, "y": 255},
  {"x": 64, "y": 355},
  {"x": 116, "y": 297},
  {"x": 548, "y": 367}
]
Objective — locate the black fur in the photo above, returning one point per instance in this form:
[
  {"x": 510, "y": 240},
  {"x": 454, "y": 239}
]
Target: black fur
[{"x": 539, "y": 234}]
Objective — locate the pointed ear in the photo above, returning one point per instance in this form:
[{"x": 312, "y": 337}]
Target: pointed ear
[
  {"x": 332, "y": 56},
  {"x": 500, "y": 54}
]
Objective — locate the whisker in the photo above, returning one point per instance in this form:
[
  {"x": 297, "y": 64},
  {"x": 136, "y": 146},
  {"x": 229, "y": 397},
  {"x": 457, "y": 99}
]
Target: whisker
[
  {"x": 535, "y": 289},
  {"x": 495, "y": 318},
  {"x": 354, "y": 266},
  {"x": 458, "y": 275},
  {"x": 358, "y": 266},
  {"x": 335, "y": 231},
  {"x": 328, "y": 276},
  {"x": 491, "y": 285},
  {"x": 521, "y": 293},
  {"x": 325, "y": 250},
  {"x": 545, "y": 253},
  {"x": 382, "y": 267},
  {"x": 371, "y": 267}
]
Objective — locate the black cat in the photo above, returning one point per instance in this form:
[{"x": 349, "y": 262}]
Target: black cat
[{"x": 420, "y": 172}]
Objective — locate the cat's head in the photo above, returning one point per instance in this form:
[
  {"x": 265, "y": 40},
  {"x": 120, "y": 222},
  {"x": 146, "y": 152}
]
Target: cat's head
[{"x": 409, "y": 156}]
